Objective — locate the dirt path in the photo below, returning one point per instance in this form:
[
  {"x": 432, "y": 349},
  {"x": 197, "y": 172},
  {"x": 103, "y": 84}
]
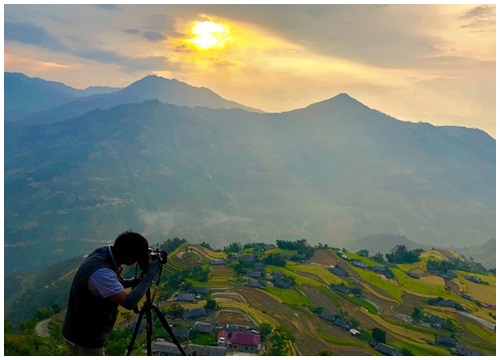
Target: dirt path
[{"x": 42, "y": 328}]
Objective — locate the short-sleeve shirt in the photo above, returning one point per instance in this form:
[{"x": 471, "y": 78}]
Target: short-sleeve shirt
[{"x": 105, "y": 282}]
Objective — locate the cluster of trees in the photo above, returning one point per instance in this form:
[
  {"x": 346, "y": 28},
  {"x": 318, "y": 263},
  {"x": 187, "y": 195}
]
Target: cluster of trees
[
  {"x": 401, "y": 255},
  {"x": 304, "y": 250},
  {"x": 275, "y": 259},
  {"x": 277, "y": 339},
  {"x": 443, "y": 266},
  {"x": 398, "y": 255}
]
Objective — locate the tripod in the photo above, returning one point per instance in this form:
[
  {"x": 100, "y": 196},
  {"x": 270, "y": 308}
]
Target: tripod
[{"x": 146, "y": 309}]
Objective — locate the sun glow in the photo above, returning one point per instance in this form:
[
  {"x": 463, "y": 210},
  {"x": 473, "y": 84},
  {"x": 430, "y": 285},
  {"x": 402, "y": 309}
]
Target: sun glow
[{"x": 210, "y": 35}]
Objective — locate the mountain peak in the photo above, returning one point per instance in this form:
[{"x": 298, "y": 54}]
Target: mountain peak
[{"x": 342, "y": 100}]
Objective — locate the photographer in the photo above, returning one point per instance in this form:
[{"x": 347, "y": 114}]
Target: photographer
[{"x": 98, "y": 289}]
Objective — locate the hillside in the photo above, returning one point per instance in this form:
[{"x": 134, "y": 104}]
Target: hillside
[
  {"x": 310, "y": 299},
  {"x": 333, "y": 172}
]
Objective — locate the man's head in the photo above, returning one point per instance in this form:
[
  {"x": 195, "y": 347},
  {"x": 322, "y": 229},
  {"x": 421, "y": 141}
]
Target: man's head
[{"x": 130, "y": 247}]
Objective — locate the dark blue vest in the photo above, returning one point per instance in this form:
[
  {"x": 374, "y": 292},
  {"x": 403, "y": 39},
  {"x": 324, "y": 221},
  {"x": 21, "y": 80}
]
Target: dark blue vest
[{"x": 90, "y": 318}]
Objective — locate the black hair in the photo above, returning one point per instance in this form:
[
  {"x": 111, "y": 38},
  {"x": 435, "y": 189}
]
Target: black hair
[{"x": 131, "y": 245}]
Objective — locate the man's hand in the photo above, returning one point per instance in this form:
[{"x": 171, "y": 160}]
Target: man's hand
[{"x": 145, "y": 263}]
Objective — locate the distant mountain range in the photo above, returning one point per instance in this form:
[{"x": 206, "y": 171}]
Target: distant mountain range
[
  {"x": 168, "y": 159},
  {"x": 53, "y": 102}
]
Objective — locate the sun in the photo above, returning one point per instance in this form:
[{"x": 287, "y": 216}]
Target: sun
[{"x": 209, "y": 35}]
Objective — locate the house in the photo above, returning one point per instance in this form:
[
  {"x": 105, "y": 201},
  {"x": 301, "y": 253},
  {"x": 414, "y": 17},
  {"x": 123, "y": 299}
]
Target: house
[
  {"x": 259, "y": 267},
  {"x": 338, "y": 271},
  {"x": 266, "y": 247},
  {"x": 413, "y": 275},
  {"x": 194, "y": 313},
  {"x": 277, "y": 273},
  {"x": 387, "y": 350},
  {"x": 466, "y": 296},
  {"x": 185, "y": 297},
  {"x": 164, "y": 348},
  {"x": 341, "y": 288},
  {"x": 255, "y": 274},
  {"x": 199, "y": 290},
  {"x": 254, "y": 284},
  {"x": 460, "y": 351},
  {"x": 216, "y": 262},
  {"x": 435, "y": 321},
  {"x": 341, "y": 323},
  {"x": 222, "y": 337},
  {"x": 327, "y": 316},
  {"x": 359, "y": 264},
  {"x": 354, "y": 332},
  {"x": 475, "y": 279},
  {"x": 180, "y": 334},
  {"x": 231, "y": 328},
  {"x": 446, "y": 341},
  {"x": 204, "y": 328},
  {"x": 282, "y": 284},
  {"x": 245, "y": 342}
]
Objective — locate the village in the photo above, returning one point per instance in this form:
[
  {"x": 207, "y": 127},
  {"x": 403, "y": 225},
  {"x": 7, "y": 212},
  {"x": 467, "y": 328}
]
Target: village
[{"x": 203, "y": 327}]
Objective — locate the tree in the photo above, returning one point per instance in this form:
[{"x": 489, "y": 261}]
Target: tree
[
  {"x": 406, "y": 352},
  {"x": 275, "y": 259},
  {"x": 233, "y": 247},
  {"x": 379, "y": 335},
  {"x": 400, "y": 255},
  {"x": 363, "y": 252},
  {"x": 175, "y": 311},
  {"x": 416, "y": 315},
  {"x": 211, "y": 304},
  {"x": 265, "y": 329},
  {"x": 279, "y": 339},
  {"x": 378, "y": 257}
]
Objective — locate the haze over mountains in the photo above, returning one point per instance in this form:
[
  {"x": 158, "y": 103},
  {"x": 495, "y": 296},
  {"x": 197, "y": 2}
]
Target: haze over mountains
[{"x": 168, "y": 160}]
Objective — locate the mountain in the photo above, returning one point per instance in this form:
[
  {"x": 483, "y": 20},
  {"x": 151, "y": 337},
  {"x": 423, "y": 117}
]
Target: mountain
[
  {"x": 25, "y": 95},
  {"x": 382, "y": 243},
  {"x": 333, "y": 172},
  {"x": 482, "y": 253},
  {"x": 149, "y": 88}
]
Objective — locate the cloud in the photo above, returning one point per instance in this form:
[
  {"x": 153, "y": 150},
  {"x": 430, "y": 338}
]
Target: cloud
[
  {"x": 132, "y": 31},
  {"x": 107, "y": 7},
  {"x": 479, "y": 17},
  {"x": 32, "y": 34},
  {"x": 154, "y": 36},
  {"x": 35, "y": 35}
]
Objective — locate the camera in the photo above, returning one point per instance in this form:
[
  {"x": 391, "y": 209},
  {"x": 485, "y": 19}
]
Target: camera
[{"x": 159, "y": 254}]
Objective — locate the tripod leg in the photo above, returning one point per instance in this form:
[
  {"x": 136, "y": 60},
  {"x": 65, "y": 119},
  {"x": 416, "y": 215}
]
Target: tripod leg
[
  {"x": 168, "y": 328},
  {"x": 136, "y": 330},
  {"x": 149, "y": 330}
]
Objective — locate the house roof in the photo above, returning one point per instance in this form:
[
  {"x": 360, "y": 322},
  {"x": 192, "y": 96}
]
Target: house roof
[
  {"x": 199, "y": 290},
  {"x": 180, "y": 333},
  {"x": 184, "y": 297},
  {"x": 241, "y": 338},
  {"x": 167, "y": 348},
  {"x": 387, "y": 350},
  {"x": 204, "y": 327},
  {"x": 222, "y": 334},
  {"x": 194, "y": 313}
]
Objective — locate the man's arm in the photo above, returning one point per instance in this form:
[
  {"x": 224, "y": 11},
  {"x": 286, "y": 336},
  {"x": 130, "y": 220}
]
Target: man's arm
[{"x": 129, "y": 300}]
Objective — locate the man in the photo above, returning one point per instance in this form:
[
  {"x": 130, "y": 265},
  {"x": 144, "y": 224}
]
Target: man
[{"x": 98, "y": 289}]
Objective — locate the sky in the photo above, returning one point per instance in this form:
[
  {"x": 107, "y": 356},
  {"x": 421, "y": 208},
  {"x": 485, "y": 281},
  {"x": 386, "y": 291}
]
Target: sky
[{"x": 419, "y": 63}]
